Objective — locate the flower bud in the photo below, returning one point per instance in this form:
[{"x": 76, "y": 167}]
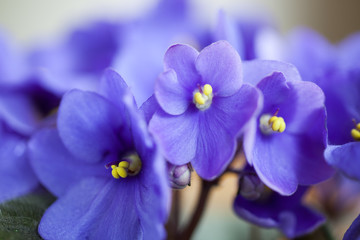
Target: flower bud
[
  {"x": 250, "y": 186},
  {"x": 179, "y": 175}
]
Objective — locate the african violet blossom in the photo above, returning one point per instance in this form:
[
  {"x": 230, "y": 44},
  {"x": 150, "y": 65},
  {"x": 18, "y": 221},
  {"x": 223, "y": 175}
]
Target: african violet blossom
[
  {"x": 203, "y": 107},
  {"x": 270, "y": 209},
  {"x": 23, "y": 105},
  {"x": 103, "y": 166},
  {"x": 353, "y": 233},
  {"x": 285, "y": 144}
]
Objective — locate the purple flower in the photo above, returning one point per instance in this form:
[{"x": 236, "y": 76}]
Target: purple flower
[
  {"x": 203, "y": 107},
  {"x": 23, "y": 106},
  {"x": 271, "y": 210},
  {"x": 353, "y": 233},
  {"x": 103, "y": 166},
  {"x": 285, "y": 144},
  {"x": 169, "y": 23},
  {"x": 79, "y": 61},
  {"x": 336, "y": 70}
]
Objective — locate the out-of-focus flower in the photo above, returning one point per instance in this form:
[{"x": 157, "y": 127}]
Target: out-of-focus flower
[
  {"x": 104, "y": 167},
  {"x": 285, "y": 144},
  {"x": 23, "y": 106},
  {"x": 203, "y": 107},
  {"x": 79, "y": 61},
  {"x": 271, "y": 210},
  {"x": 353, "y": 233},
  {"x": 145, "y": 40}
]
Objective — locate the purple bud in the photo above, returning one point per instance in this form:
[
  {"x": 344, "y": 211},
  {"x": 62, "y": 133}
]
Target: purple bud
[
  {"x": 250, "y": 186},
  {"x": 179, "y": 175}
]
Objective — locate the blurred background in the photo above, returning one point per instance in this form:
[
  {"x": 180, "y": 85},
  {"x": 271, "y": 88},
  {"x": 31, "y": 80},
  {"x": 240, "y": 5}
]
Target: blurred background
[{"x": 29, "y": 21}]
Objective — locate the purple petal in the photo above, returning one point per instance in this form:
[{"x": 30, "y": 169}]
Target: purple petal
[
  {"x": 353, "y": 233},
  {"x": 89, "y": 125},
  {"x": 17, "y": 176},
  {"x": 227, "y": 29},
  {"x": 218, "y": 128},
  {"x": 345, "y": 158},
  {"x": 285, "y": 213},
  {"x": 18, "y": 112},
  {"x": 56, "y": 168},
  {"x": 220, "y": 66},
  {"x": 254, "y": 71},
  {"x": 176, "y": 135},
  {"x": 113, "y": 87},
  {"x": 181, "y": 58},
  {"x": 95, "y": 208},
  {"x": 149, "y": 107},
  {"x": 170, "y": 94}
]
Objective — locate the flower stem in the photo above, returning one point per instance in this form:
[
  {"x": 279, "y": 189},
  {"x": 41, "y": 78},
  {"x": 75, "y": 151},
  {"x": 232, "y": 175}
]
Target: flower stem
[{"x": 200, "y": 207}]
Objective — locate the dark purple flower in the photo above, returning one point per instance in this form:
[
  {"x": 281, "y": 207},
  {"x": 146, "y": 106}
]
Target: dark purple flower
[
  {"x": 203, "y": 107},
  {"x": 353, "y": 233},
  {"x": 103, "y": 166},
  {"x": 285, "y": 144},
  {"x": 271, "y": 210}
]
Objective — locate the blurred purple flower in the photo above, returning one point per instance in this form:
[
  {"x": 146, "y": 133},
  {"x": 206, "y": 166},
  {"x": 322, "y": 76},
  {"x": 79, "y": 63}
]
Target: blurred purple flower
[
  {"x": 203, "y": 107},
  {"x": 79, "y": 60},
  {"x": 285, "y": 144},
  {"x": 353, "y": 233},
  {"x": 271, "y": 210},
  {"x": 104, "y": 167},
  {"x": 23, "y": 106}
]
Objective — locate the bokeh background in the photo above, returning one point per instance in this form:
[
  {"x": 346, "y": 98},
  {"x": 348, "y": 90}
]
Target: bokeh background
[{"x": 29, "y": 22}]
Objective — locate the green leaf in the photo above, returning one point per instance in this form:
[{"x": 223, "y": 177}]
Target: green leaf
[{"x": 19, "y": 218}]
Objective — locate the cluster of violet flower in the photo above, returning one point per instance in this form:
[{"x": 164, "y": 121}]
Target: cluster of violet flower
[{"x": 112, "y": 118}]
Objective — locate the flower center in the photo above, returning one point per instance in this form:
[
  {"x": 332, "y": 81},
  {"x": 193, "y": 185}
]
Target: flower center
[
  {"x": 270, "y": 124},
  {"x": 203, "y": 97},
  {"x": 128, "y": 166},
  {"x": 355, "y": 132}
]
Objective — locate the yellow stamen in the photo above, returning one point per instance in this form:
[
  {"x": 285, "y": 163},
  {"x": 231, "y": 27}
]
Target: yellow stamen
[
  {"x": 277, "y": 124},
  {"x": 355, "y": 134},
  {"x": 282, "y": 126},
  {"x": 122, "y": 172},
  {"x": 114, "y": 172},
  {"x": 358, "y": 126},
  {"x": 207, "y": 89},
  {"x": 199, "y": 98},
  {"x": 124, "y": 164}
]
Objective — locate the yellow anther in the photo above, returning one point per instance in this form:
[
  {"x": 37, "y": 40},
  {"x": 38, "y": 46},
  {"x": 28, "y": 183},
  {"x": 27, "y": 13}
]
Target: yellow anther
[
  {"x": 282, "y": 126},
  {"x": 199, "y": 98},
  {"x": 114, "y": 172},
  {"x": 113, "y": 166},
  {"x": 358, "y": 126},
  {"x": 277, "y": 124},
  {"x": 207, "y": 89},
  {"x": 124, "y": 164},
  {"x": 355, "y": 134},
  {"x": 122, "y": 172}
]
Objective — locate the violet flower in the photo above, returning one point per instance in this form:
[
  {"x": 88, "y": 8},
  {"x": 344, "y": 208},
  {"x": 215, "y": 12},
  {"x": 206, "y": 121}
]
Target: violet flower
[
  {"x": 285, "y": 144},
  {"x": 203, "y": 107},
  {"x": 271, "y": 210},
  {"x": 23, "y": 106},
  {"x": 336, "y": 70},
  {"x": 169, "y": 23},
  {"x": 103, "y": 166},
  {"x": 78, "y": 60},
  {"x": 353, "y": 233}
]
